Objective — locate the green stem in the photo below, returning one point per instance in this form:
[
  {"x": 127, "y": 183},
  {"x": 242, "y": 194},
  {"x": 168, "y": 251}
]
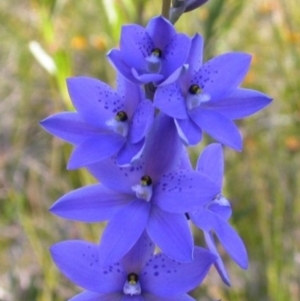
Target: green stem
[{"x": 165, "y": 8}]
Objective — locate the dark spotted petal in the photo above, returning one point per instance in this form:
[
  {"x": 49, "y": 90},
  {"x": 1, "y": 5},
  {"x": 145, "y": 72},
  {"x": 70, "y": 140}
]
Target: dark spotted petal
[
  {"x": 79, "y": 262},
  {"x": 136, "y": 258},
  {"x": 175, "y": 54},
  {"x": 196, "y": 54},
  {"x": 118, "y": 178},
  {"x": 95, "y": 101},
  {"x": 136, "y": 44},
  {"x": 163, "y": 276},
  {"x": 131, "y": 93},
  {"x": 170, "y": 101},
  {"x": 183, "y": 191},
  {"x": 223, "y": 74}
]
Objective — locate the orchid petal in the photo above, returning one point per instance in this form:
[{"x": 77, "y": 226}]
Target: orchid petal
[
  {"x": 161, "y": 32},
  {"x": 222, "y": 74},
  {"x": 170, "y": 231},
  {"x": 221, "y": 206},
  {"x": 183, "y": 191},
  {"x": 138, "y": 255},
  {"x": 218, "y": 126},
  {"x": 185, "y": 297},
  {"x": 90, "y": 296},
  {"x": 163, "y": 276},
  {"x": 94, "y": 203},
  {"x": 130, "y": 152},
  {"x": 79, "y": 261},
  {"x": 157, "y": 155},
  {"x": 132, "y": 298},
  {"x": 170, "y": 101},
  {"x": 188, "y": 131},
  {"x": 219, "y": 262},
  {"x": 185, "y": 162},
  {"x": 115, "y": 57},
  {"x": 132, "y": 94},
  {"x": 116, "y": 177},
  {"x": 230, "y": 240},
  {"x": 95, "y": 101},
  {"x": 136, "y": 45},
  {"x": 211, "y": 163},
  {"x": 175, "y": 54},
  {"x": 145, "y": 78},
  {"x": 94, "y": 149},
  {"x": 195, "y": 57},
  {"x": 123, "y": 230},
  {"x": 142, "y": 121},
  {"x": 68, "y": 126},
  {"x": 240, "y": 103},
  {"x": 179, "y": 71}
]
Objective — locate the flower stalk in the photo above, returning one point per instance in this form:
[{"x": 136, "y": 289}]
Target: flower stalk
[{"x": 165, "y": 8}]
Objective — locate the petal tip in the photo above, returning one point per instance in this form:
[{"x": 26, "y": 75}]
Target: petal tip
[
  {"x": 71, "y": 165},
  {"x": 53, "y": 208},
  {"x": 244, "y": 264}
]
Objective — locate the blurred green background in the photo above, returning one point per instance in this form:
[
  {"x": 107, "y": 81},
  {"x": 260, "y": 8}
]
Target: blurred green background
[{"x": 45, "y": 41}]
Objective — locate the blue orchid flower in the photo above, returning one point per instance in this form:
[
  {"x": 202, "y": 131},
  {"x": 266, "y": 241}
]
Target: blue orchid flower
[
  {"x": 139, "y": 276},
  {"x": 152, "y": 54},
  {"x": 207, "y": 97},
  {"x": 213, "y": 217},
  {"x": 153, "y": 194},
  {"x": 106, "y": 123}
]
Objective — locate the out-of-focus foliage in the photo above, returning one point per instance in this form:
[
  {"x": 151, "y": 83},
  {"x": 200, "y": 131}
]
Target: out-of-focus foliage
[{"x": 45, "y": 41}]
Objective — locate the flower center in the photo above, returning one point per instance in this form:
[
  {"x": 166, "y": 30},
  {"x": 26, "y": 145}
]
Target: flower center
[
  {"x": 121, "y": 116},
  {"x": 119, "y": 123},
  {"x": 194, "y": 89},
  {"x": 196, "y": 97},
  {"x": 156, "y": 52},
  {"x": 146, "y": 181},
  {"x": 144, "y": 189},
  {"x": 154, "y": 60},
  {"x": 132, "y": 285}
]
